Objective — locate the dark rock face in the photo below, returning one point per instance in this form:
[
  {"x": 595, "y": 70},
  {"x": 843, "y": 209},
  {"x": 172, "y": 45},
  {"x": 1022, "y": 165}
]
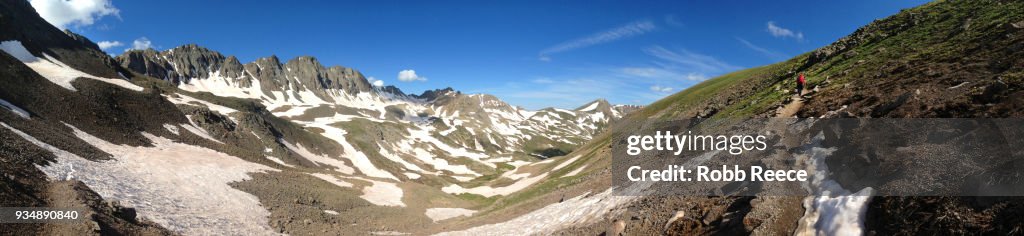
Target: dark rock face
[
  {"x": 83, "y": 40},
  {"x": 308, "y": 74},
  {"x": 139, "y": 61},
  {"x": 182, "y": 64},
  {"x": 234, "y": 69},
  {"x": 19, "y": 21},
  {"x": 624, "y": 109},
  {"x": 178, "y": 65},
  {"x": 431, "y": 95},
  {"x": 392, "y": 90},
  {"x": 192, "y": 61}
]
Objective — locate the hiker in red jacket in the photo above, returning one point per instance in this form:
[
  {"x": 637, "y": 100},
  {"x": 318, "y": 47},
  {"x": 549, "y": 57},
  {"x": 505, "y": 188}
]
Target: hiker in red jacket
[{"x": 800, "y": 85}]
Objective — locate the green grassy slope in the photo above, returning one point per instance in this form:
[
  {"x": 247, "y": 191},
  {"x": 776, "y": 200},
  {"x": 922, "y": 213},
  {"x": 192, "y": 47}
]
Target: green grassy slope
[{"x": 921, "y": 51}]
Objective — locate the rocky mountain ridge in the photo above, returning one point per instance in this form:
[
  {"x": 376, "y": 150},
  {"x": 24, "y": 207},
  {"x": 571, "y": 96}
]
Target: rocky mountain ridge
[{"x": 303, "y": 83}]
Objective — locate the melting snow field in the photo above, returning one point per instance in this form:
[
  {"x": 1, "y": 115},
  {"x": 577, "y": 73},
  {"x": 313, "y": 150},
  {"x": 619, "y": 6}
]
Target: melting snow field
[
  {"x": 359, "y": 160},
  {"x": 832, "y": 210},
  {"x": 199, "y": 132},
  {"x": 171, "y": 128},
  {"x": 488, "y": 191},
  {"x": 181, "y": 187},
  {"x": 54, "y": 70},
  {"x": 339, "y": 165},
  {"x": 293, "y": 111},
  {"x": 186, "y": 100},
  {"x": 383, "y": 194},
  {"x": 15, "y": 109},
  {"x": 332, "y": 179},
  {"x": 439, "y": 214},
  {"x": 580, "y": 210}
]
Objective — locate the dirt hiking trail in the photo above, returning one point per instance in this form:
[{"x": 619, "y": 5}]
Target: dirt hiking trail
[{"x": 789, "y": 110}]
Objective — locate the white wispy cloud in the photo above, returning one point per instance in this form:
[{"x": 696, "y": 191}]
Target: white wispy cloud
[
  {"x": 542, "y": 81},
  {"x": 660, "y": 89},
  {"x": 648, "y": 72},
  {"x": 104, "y": 45},
  {"x": 685, "y": 60},
  {"x": 375, "y": 81},
  {"x": 409, "y": 76},
  {"x": 769, "y": 53},
  {"x": 667, "y": 71},
  {"x": 695, "y": 77},
  {"x": 672, "y": 21},
  {"x": 780, "y": 32},
  {"x": 140, "y": 44},
  {"x": 65, "y": 13},
  {"x": 565, "y": 93},
  {"x": 610, "y": 35}
]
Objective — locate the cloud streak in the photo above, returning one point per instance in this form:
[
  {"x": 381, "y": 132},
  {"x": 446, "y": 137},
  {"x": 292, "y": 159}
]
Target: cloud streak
[
  {"x": 65, "y": 13},
  {"x": 610, "y": 35},
  {"x": 780, "y": 32},
  {"x": 667, "y": 72},
  {"x": 768, "y": 53},
  {"x": 660, "y": 89},
  {"x": 685, "y": 60}
]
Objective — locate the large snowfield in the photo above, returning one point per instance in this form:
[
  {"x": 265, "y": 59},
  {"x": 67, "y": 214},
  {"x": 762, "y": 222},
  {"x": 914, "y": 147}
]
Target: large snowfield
[
  {"x": 54, "y": 70},
  {"x": 181, "y": 187}
]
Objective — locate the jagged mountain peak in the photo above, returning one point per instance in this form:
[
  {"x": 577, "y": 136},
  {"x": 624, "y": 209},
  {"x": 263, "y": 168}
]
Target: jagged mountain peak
[
  {"x": 272, "y": 59},
  {"x": 598, "y": 104},
  {"x": 311, "y": 121},
  {"x": 83, "y": 40},
  {"x": 431, "y": 95},
  {"x": 183, "y": 64},
  {"x": 300, "y": 61},
  {"x": 391, "y": 89}
]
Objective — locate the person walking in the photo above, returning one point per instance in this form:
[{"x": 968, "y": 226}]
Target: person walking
[{"x": 800, "y": 81}]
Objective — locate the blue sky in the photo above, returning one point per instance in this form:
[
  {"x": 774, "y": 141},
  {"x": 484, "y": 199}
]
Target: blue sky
[{"x": 530, "y": 53}]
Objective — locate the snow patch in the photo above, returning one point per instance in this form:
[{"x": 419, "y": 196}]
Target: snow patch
[
  {"x": 332, "y": 179},
  {"x": 591, "y": 107},
  {"x": 293, "y": 111},
  {"x": 576, "y": 172},
  {"x": 832, "y": 210},
  {"x": 278, "y": 161},
  {"x": 186, "y": 100},
  {"x": 439, "y": 214},
  {"x": 171, "y": 128},
  {"x": 54, "y": 70},
  {"x": 580, "y": 210},
  {"x": 338, "y": 165},
  {"x": 566, "y": 162},
  {"x": 181, "y": 187},
  {"x": 199, "y": 132},
  {"x": 15, "y": 109},
  {"x": 359, "y": 159},
  {"x": 488, "y": 191},
  {"x": 383, "y": 194}
]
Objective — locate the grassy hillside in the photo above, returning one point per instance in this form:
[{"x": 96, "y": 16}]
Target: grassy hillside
[
  {"x": 907, "y": 65},
  {"x": 942, "y": 59}
]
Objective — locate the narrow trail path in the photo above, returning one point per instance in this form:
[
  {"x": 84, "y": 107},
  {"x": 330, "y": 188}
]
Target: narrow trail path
[{"x": 790, "y": 110}]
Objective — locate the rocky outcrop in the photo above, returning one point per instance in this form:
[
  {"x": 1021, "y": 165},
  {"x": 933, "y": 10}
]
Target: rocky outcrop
[
  {"x": 431, "y": 95},
  {"x": 182, "y": 64},
  {"x": 139, "y": 61}
]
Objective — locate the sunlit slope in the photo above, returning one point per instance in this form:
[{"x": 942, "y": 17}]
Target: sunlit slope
[{"x": 942, "y": 59}]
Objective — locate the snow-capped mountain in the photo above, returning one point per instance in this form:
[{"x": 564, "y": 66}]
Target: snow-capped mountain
[
  {"x": 417, "y": 132},
  {"x": 189, "y": 141}
]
